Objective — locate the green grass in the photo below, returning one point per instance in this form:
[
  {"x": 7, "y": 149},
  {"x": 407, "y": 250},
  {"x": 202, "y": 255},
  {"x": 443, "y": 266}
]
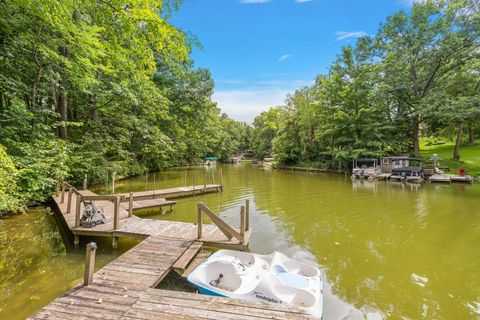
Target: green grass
[{"x": 469, "y": 156}]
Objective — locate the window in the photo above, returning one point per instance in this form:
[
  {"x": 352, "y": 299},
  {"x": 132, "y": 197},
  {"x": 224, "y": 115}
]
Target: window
[{"x": 385, "y": 160}]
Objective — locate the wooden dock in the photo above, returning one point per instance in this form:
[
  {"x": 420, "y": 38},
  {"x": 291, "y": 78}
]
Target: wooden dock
[
  {"x": 174, "y": 192},
  {"x": 151, "y": 204},
  {"x": 125, "y": 288},
  {"x": 122, "y": 223},
  {"x": 438, "y": 177}
]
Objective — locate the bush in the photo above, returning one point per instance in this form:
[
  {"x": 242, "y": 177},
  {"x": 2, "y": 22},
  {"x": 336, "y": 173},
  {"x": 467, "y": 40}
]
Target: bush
[{"x": 10, "y": 198}]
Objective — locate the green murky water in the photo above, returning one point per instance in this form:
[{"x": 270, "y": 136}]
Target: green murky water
[{"x": 389, "y": 250}]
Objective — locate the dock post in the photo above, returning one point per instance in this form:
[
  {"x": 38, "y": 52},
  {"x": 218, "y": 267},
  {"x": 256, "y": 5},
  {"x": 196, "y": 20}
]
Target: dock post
[
  {"x": 154, "y": 178},
  {"x": 193, "y": 182},
  {"x": 213, "y": 178},
  {"x": 115, "y": 243},
  {"x": 130, "y": 204},
  {"x": 221, "y": 178},
  {"x": 116, "y": 220},
  {"x": 63, "y": 193},
  {"x": 89, "y": 263},
  {"x": 106, "y": 183},
  {"x": 242, "y": 223},
  {"x": 199, "y": 221},
  {"x": 114, "y": 175},
  {"x": 116, "y": 212},
  {"x": 77, "y": 210},
  {"x": 247, "y": 214},
  {"x": 57, "y": 188},
  {"x": 69, "y": 200},
  {"x": 85, "y": 184},
  {"x": 146, "y": 180},
  {"x": 204, "y": 180}
]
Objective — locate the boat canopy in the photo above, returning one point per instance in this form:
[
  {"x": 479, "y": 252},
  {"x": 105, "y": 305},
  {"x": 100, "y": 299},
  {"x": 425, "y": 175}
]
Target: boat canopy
[
  {"x": 403, "y": 158},
  {"x": 366, "y": 160}
]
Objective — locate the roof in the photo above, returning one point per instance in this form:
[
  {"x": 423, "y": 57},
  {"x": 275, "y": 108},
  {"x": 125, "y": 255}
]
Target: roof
[
  {"x": 402, "y": 158},
  {"x": 211, "y": 158},
  {"x": 397, "y": 157},
  {"x": 366, "y": 159}
]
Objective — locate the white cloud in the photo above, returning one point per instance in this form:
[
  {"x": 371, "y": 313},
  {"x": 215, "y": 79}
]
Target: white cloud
[
  {"x": 302, "y": 1},
  {"x": 254, "y": 1},
  {"x": 342, "y": 35},
  {"x": 285, "y": 57},
  {"x": 245, "y": 105}
]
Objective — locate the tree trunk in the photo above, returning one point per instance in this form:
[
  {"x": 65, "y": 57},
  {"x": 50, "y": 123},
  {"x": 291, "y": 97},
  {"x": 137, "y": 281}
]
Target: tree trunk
[
  {"x": 95, "y": 114},
  {"x": 62, "y": 103},
  {"x": 416, "y": 145},
  {"x": 458, "y": 142},
  {"x": 62, "y": 109},
  {"x": 471, "y": 135},
  {"x": 33, "y": 93}
]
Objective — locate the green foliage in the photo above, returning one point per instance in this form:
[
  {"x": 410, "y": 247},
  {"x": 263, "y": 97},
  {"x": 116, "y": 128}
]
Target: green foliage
[
  {"x": 418, "y": 74},
  {"x": 265, "y": 130},
  {"x": 9, "y": 194},
  {"x": 422, "y": 50},
  {"x": 92, "y": 87}
]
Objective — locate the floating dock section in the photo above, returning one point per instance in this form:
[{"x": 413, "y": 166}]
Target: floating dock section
[{"x": 449, "y": 178}]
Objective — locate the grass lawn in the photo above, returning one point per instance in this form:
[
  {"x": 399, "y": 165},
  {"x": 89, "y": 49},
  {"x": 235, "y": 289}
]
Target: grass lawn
[{"x": 469, "y": 156}]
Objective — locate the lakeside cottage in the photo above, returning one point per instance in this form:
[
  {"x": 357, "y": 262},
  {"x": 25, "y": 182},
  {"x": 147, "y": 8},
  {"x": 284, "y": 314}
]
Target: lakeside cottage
[{"x": 387, "y": 164}]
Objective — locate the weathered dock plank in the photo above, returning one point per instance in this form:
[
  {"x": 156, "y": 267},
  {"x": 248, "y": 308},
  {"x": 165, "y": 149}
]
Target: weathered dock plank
[
  {"x": 129, "y": 272},
  {"x": 182, "y": 262},
  {"x": 155, "y": 302}
]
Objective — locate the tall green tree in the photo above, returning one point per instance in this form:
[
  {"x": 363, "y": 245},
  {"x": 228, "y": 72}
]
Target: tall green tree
[
  {"x": 421, "y": 50},
  {"x": 94, "y": 86},
  {"x": 265, "y": 127},
  {"x": 458, "y": 104}
]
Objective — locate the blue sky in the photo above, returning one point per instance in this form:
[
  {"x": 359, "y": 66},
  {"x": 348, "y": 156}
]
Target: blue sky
[{"x": 258, "y": 51}]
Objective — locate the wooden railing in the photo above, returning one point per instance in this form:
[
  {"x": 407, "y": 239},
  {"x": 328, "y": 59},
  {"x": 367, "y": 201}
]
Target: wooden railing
[
  {"x": 66, "y": 187},
  {"x": 69, "y": 189},
  {"x": 227, "y": 230}
]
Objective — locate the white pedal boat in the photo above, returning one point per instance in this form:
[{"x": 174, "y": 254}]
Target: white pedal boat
[{"x": 274, "y": 278}]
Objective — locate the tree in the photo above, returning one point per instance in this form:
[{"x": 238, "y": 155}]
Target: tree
[
  {"x": 459, "y": 103},
  {"x": 355, "y": 123},
  {"x": 91, "y": 87},
  {"x": 420, "y": 51},
  {"x": 265, "y": 127}
]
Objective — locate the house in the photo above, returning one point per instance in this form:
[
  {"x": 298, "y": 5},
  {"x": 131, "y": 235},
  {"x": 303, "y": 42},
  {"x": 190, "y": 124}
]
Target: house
[{"x": 387, "y": 164}]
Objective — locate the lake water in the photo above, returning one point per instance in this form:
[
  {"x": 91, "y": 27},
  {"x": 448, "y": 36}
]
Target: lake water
[{"x": 389, "y": 250}]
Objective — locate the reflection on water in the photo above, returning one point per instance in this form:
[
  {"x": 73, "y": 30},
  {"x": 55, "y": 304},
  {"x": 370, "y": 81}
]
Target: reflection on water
[
  {"x": 35, "y": 267},
  {"x": 389, "y": 249}
]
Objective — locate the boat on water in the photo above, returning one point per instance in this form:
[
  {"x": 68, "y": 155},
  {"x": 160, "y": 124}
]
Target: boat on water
[
  {"x": 365, "y": 168},
  {"x": 274, "y": 278}
]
